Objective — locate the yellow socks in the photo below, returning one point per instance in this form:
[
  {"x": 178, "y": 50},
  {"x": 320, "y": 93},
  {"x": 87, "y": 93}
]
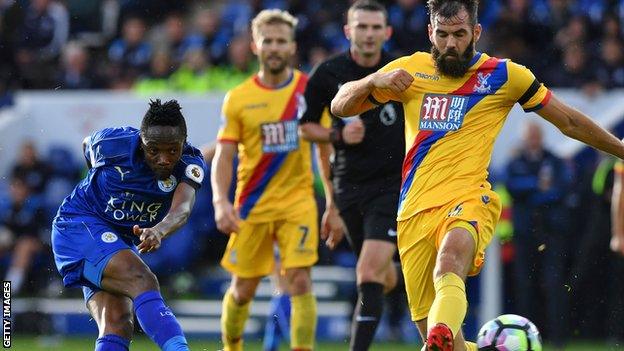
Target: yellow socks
[
  {"x": 302, "y": 321},
  {"x": 471, "y": 346},
  {"x": 449, "y": 305},
  {"x": 233, "y": 318}
]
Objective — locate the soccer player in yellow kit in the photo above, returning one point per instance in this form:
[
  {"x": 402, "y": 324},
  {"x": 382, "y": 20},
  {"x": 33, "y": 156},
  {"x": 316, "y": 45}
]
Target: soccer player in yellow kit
[
  {"x": 274, "y": 198},
  {"x": 455, "y": 100}
]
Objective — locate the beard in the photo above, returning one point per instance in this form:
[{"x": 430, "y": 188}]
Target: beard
[
  {"x": 276, "y": 69},
  {"x": 457, "y": 67}
]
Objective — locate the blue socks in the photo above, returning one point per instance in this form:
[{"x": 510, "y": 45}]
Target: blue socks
[
  {"x": 278, "y": 323},
  {"x": 158, "y": 322},
  {"x": 112, "y": 342}
]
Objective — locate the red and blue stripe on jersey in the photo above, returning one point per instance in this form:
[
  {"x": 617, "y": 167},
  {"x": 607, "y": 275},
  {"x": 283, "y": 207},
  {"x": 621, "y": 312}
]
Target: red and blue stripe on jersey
[
  {"x": 426, "y": 139},
  {"x": 270, "y": 163}
]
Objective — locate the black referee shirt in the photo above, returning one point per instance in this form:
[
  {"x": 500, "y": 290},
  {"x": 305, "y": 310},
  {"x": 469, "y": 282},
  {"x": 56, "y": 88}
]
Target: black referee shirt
[{"x": 375, "y": 163}]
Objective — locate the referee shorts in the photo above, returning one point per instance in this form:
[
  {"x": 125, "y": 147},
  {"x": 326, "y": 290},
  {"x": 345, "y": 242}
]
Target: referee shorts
[{"x": 371, "y": 218}]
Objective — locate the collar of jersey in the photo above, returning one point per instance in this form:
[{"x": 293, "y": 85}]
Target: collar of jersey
[
  {"x": 288, "y": 81},
  {"x": 475, "y": 58}
]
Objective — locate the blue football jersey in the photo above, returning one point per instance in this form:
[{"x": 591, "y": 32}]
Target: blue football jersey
[{"x": 120, "y": 188}]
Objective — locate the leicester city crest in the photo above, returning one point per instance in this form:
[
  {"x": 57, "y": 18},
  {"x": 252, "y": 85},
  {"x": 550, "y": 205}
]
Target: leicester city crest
[{"x": 168, "y": 185}]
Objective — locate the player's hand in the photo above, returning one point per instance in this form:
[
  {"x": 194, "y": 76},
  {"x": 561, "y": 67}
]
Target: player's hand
[
  {"x": 353, "y": 132},
  {"x": 617, "y": 244},
  {"x": 332, "y": 228},
  {"x": 226, "y": 217},
  {"x": 150, "y": 239},
  {"x": 397, "y": 80}
]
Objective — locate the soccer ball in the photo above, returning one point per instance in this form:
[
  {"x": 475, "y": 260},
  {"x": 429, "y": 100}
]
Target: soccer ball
[{"x": 509, "y": 332}]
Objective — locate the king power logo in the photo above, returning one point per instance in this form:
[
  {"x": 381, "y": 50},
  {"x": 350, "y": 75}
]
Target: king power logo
[
  {"x": 442, "y": 112},
  {"x": 136, "y": 211}
]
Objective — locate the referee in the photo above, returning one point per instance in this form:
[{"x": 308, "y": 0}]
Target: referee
[{"x": 366, "y": 172}]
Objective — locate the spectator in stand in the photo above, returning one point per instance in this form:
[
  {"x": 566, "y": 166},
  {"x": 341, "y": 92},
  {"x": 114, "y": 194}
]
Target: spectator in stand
[
  {"x": 172, "y": 38},
  {"x": 130, "y": 55},
  {"x": 575, "y": 31},
  {"x": 75, "y": 71},
  {"x": 536, "y": 182},
  {"x": 11, "y": 16},
  {"x": 157, "y": 81},
  {"x": 22, "y": 223},
  {"x": 610, "y": 71},
  {"x": 43, "y": 33},
  {"x": 573, "y": 72},
  {"x": 31, "y": 169},
  {"x": 611, "y": 28},
  {"x": 241, "y": 65},
  {"x": 596, "y": 264},
  {"x": 209, "y": 35},
  {"x": 409, "y": 20},
  {"x": 193, "y": 76}
]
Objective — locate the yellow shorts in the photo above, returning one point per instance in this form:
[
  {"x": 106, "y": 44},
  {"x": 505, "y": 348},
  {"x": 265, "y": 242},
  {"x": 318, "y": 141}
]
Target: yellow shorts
[
  {"x": 250, "y": 254},
  {"x": 420, "y": 236}
]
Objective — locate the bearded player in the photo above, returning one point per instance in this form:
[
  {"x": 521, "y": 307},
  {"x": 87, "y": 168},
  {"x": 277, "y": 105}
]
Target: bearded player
[{"x": 456, "y": 100}]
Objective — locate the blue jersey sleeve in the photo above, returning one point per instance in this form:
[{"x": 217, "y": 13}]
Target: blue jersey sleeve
[
  {"x": 110, "y": 146},
  {"x": 192, "y": 166}
]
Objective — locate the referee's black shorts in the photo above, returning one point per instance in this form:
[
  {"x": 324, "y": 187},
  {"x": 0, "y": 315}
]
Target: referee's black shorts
[{"x": 370, "y": 217}]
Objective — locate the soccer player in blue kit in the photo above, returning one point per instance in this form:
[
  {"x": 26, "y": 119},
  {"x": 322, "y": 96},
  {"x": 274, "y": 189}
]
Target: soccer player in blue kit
[{"x": 140, "y": 188}]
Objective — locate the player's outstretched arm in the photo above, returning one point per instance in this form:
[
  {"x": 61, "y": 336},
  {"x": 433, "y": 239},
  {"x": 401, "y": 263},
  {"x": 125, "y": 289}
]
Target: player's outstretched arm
[
  {"x": 226, "y": 216},
  {"x": 332, "y": 226},
  {"x": 352, "y": 97},
  {"x": 181, "y": 206},
  {"x": 315, "y": 132},
  {"x": 208, "y": 151},
  {"x": 617, "y": 213},
  {"x": 581, "y": 127}
]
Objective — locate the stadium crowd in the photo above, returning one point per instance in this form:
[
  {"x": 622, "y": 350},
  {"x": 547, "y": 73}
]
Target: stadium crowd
[
  {"x": 153, "y": 46},
  {"x": 199, "y": 46}
]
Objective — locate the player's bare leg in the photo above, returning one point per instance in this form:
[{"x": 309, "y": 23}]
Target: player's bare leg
[
  {"x": 303, "y": 308},
  {"x": 448, "y": 310},
  {"x": 126, "y": 274},
  {"x": 376, "y": 275},
  {"x": 375, "y": 264},
  {"x": 235, "y": 311},
  {"x": 113, "y": 315}
]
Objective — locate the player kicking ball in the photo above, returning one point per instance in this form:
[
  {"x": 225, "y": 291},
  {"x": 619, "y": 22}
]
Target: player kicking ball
[
  {"x": 456, "y": 100},
  {"x": 140, "y": 188}
]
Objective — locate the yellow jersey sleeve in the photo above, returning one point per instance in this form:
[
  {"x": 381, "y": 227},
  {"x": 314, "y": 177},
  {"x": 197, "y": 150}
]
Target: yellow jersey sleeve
[
  {"x": 381, "y": 96},
  {"x": 230, "y": 130},
  {"x": 525, "y": 89}
]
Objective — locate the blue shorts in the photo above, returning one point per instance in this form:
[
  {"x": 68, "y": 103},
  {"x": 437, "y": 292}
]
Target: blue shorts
[{"x": 82, "y": 247}]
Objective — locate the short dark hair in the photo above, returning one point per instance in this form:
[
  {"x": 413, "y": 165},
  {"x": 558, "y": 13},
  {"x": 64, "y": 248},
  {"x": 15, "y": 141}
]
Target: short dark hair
[
  {"x": 367, "y": 5},
  {"x": 167, "y": 114},
  {"x": 450, "y": 8}
]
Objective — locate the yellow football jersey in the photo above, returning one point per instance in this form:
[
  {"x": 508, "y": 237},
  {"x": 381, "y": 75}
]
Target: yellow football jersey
[
  {"x": 274, "y": 176},
  {"x": 451, "y": 124}
]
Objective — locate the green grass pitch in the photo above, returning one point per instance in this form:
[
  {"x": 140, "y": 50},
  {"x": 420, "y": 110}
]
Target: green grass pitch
[{"x": 33, "y": 343}]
